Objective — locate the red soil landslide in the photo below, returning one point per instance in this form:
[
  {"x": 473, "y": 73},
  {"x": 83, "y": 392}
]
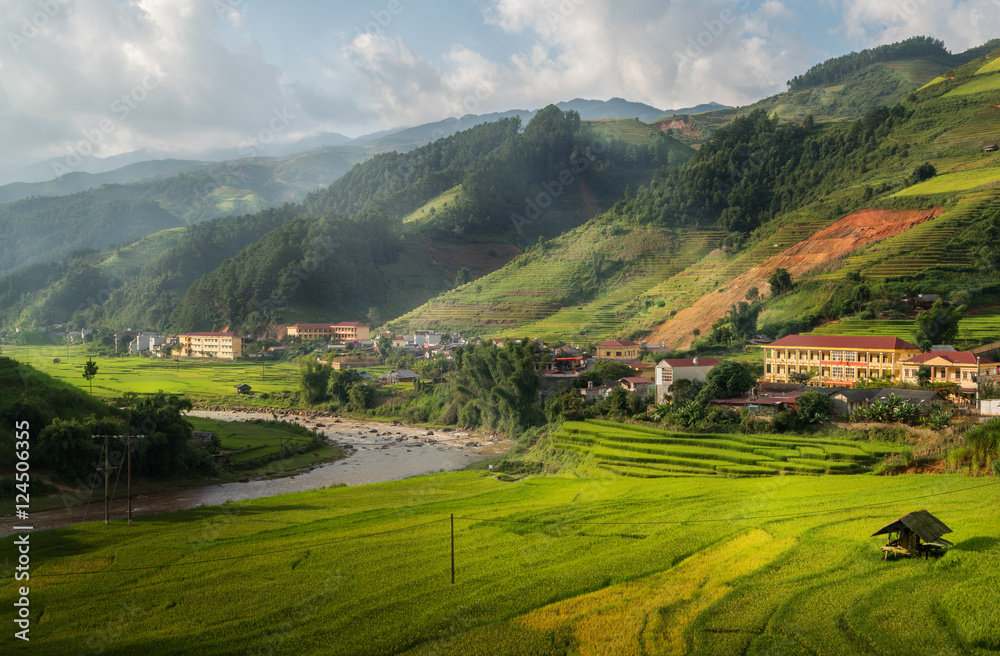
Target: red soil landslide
[{"x": 844, "y": 236}]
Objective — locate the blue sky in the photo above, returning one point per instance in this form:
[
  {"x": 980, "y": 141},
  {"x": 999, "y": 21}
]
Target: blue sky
[{"x": 180, "y": 77}]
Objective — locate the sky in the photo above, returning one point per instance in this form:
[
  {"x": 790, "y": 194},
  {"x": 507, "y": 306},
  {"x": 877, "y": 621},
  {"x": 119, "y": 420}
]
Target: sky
[{"x": 181, "y": 77}]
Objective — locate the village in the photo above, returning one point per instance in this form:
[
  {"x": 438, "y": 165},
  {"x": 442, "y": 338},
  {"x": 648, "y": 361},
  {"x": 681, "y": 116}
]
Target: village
[{"x": 853, "y": 371}]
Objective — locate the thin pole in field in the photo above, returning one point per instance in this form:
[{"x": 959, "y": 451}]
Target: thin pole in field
[
  {"x": 128, "y": 450},
  {"x": 453, "y": 548},
  {"x": 107, "y": 499}
]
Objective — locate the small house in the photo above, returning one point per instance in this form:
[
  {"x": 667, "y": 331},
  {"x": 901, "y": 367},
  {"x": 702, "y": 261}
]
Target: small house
[
  {"x": 992, "y": 148},
  {"x": 400, "y": 376},
  {"x": 242, "y": 388},
  {"x": 917, "y": 534},
  {"x": 636, "y": 384}
]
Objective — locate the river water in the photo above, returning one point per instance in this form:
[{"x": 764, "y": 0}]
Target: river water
[{"x": 378, "y": 453}]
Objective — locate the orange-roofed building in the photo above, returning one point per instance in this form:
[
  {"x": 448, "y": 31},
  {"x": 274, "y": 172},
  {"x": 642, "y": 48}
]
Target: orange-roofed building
[
  {"x": 958, "y": 367},
  {"x": 345, "y": 331},
  {"x": 227, "y": 346},
  {"x": 836, "y": 360},
  {"x": 618, "y": 349}
]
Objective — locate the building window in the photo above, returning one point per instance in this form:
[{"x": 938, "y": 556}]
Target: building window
[
  {"x": 836, "y": 372},
  {"x": 768, "y": 368}
]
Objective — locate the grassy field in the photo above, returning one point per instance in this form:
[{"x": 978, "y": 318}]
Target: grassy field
[
  {"x": 248, "y": 441},
  {"x": 201, "y": 380},
  {"x": 954, "y": 182},
  {"x": 975, "y": 328},
  {"x": 649, "y": 453},
  {"x": 543, "y": 566}
]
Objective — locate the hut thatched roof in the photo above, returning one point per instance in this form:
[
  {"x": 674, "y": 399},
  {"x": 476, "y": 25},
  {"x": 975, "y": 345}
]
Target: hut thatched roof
[{"x": 928, "y": 527}]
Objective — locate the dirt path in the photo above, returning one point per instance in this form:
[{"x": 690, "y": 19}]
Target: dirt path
[{"x": 839, "y": 239}]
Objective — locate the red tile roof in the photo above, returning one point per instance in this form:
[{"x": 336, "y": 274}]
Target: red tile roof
[
  {"x": 210, "y": 335},
  {"x": 955, "y": 357},
  {"x": 689, "y": 362},
  {"x": 617, "y": 342},
  {"x": 841, "y": 341},
  {"x": 355, "y": 324}
]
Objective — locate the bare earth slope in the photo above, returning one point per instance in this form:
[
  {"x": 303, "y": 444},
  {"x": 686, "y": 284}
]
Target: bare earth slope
[{"x": 847, "y": 234}]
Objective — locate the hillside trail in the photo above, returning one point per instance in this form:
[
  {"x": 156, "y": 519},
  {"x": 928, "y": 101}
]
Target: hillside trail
[{"x": 846, "y": 235}]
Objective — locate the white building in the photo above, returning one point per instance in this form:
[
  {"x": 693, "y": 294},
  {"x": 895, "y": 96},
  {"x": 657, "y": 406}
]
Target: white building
[{"x": 667, "y": 371}]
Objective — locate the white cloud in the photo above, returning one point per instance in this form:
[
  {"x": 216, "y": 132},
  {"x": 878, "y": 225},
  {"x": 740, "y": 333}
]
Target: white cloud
[
  {"x": 961, "y": 24},
  {"x": 108, "y": 77}
]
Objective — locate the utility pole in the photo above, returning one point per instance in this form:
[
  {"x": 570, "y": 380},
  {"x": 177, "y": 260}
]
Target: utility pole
[
  {"x": 128, "y": 451},
  {"x": 107, "y": 499},
  {"x": 453, "y": 548}
]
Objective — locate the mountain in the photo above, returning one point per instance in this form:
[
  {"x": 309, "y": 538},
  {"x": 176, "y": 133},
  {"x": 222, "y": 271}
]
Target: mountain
[
  {"x": 78, "y": 181},
  {"x": 392, "y": 233},
  {"x": 846, "y": 206},
  {"x": 43, "y": 228},
  {"x": 579, "y": 230}
]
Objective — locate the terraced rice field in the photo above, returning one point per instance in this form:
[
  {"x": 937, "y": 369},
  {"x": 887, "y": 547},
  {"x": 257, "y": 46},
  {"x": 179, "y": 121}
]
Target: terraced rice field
[
  {"x": 606, "y": 316},
  {"x": 650, "y": 453},
  {"x": 971, "y": 329},
  {"x": 920, "y": 247},
  {"x": 981, "y": 84},
  {"x": 982, "y": 127},
  {"x": 953, "y": 182},
  {"x": 553, "y": 566},
  {"x": 991, "y": 67}
]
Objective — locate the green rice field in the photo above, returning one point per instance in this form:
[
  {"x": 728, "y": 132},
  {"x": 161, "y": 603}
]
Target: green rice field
[
  {"x": 650, "y": 453},
  {"x": 212, "y": 381},
  {"x": 543, "y": 565},
  {"x": 246, "y": 441},
  {"x": 953, "y": 182},
  {"x": 974, "y": 328}
]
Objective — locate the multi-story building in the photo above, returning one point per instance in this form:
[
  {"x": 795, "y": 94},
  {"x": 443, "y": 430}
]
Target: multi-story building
[
  {"x": 958, "y": 367},
  {"x": 667, "y": 371},
  {"x": 834, "y": 360},
  {"x": 618, "y": 349},
  {"x": 227, "y": 346},
  {"x": 345, "y": 331}
]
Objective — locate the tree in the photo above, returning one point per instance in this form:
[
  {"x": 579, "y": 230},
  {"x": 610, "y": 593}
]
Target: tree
[
  {"x": 801, "y": 377},
  {"x": 341, "y": 383},
  {"x": 313, "y": 378},
  {"x": 753, "y": 294},
  {"x": 463, "y": 276},
  {"x": 925, "y": 171},
  {"x": 813, "y": 407},
  {"x": 780, "y": 282},
  {"x": 939, "y": 325},
  {"x": 612, "y": 370},
  {"x": 726, "y": 380},
  {"x": 684, "y": 390},
  {"x": 384, "y": 347},
  {"x": 89, "y": 371},
  {"x": 924, "y": 375},
  {"x": 374, "y": 317}
]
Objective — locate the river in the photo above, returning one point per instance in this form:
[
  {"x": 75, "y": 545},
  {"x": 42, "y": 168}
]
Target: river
[{"x": 378, "y": 452}]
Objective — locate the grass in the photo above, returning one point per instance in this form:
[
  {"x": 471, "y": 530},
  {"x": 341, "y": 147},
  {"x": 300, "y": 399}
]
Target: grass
[
  {"x": 248, "y": 441},
  {"x": 987, "y": 82},
  {"x": 973, "y": 328},
  {"x": 702, "y": 565},
  {"x": 623, "y": 449},
  {"x": 199, "y": 379},
  {"x": 953, "y": 182}
]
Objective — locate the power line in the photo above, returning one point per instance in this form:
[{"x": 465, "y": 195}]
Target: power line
[
  {"x": 732, "y": 519},
  {"x": 224, "y": 558}
]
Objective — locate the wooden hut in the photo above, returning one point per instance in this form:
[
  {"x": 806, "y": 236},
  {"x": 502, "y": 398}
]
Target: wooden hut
[
  {"x": 911, "y": 530},
  {"x": 242, "y": 388}
]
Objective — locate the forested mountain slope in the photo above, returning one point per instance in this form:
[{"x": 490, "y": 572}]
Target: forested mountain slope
[{"x": 750, "y": 202}]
